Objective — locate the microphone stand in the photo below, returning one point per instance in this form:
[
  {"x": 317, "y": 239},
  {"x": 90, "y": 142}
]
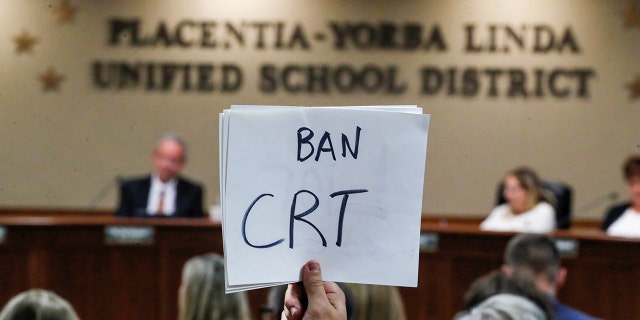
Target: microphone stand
[{"x": 103, "y": 192}]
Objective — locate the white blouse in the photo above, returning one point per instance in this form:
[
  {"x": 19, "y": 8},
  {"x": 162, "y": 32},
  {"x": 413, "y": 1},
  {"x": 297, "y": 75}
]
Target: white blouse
[
  {"x": 540, "y": 219},
  {"x": 628, "y": 225}
]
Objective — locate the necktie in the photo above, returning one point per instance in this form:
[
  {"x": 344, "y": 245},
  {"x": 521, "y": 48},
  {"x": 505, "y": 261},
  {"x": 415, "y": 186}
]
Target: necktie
[{"x": 160, "y": 203}]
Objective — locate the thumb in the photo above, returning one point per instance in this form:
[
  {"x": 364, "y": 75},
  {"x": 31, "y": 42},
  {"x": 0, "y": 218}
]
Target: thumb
[{"x": 313, "y": 284}]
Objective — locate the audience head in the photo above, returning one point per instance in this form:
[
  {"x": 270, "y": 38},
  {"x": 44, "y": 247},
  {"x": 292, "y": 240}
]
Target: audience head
[
  {"x": 535, "y": 257},
  {"x": 631, "y": 172},
  {"x": 202, "y": 292},
  {"x": 497, "y": 284},
  {"x": 169, "y": 157},
  {"x": 505, "y": 306},
  {"x": 523, "y": 189},
  {"x": 38, "y": 304},
  {"x": 377, "y": 302}
]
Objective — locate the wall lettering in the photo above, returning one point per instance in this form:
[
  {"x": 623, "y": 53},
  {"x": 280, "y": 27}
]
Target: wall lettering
[{"x": 345, "y": 78}]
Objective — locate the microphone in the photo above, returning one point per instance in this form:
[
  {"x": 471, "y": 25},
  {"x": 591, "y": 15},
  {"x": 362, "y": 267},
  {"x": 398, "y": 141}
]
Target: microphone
[
  {"x": 603, "y": 199},
  {"x": 103, "y": 192}
]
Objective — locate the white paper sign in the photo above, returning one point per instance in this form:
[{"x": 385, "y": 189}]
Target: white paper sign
[{"x": 339, "y": 185}]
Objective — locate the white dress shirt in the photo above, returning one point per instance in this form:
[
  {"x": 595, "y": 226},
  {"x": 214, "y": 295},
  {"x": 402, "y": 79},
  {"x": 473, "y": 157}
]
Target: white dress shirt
[{"x": 170, "y": 189}]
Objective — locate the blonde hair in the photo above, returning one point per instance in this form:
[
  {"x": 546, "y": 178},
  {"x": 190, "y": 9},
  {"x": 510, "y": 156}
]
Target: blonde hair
[
  {"x": 530, "y": 182},
  {"x": 376, "y": 302},
  {"x": 203, "y": 292},
  {"x": 38, "y": 304}
]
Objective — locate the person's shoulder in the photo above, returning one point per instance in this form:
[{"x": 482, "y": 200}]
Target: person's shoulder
[
  {"x": 500, "y": 209},
  {"x": 563, "y": 312},
  {"x": 495, "y": 218},
  {"x": 618, "y": 207},
  {"x": 542, "y": 209},
  {"x": 189, "y": 182},
  {"x": 499, "y": 212},
  {"x": 545, "y": 206},
  {"x": 613, "y": 213}
]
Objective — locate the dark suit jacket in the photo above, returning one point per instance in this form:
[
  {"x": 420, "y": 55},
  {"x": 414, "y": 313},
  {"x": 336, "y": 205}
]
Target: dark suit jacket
[
  {"x": 134, "y": 194},
  {"x": 613, "y": 214}
]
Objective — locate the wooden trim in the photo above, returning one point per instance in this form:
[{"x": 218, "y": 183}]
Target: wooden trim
[
  {"x": 427, "y": 218},
  {"x": 37, "y": 212}
]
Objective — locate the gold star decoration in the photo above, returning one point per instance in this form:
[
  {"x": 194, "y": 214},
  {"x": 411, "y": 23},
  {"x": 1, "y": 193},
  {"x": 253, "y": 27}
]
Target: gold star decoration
[
  {"x": 64, "y": 12},
  {"x": 632, "y": 16},
  {"x": 51, "y": 80},
  {"x": 634, "y": 88},
  {"x": 24, "y": 42}
]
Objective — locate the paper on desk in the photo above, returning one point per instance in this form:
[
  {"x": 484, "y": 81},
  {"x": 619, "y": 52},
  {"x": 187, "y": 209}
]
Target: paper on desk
[{"x": 285, "y": 199}]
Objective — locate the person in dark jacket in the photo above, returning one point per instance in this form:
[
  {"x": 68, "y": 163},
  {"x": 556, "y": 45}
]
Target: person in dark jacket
[
  {"x": 164, "y": 192},
  {"x": 535, "y": 257}
]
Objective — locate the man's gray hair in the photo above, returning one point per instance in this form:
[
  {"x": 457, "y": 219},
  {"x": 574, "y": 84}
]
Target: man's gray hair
[{"x": 175, "y": 138}]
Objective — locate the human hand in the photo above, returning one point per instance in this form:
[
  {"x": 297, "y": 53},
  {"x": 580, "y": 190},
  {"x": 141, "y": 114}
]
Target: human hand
[{"x": 314, "y": 299}]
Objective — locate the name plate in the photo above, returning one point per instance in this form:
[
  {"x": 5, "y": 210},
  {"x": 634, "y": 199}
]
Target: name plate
[
  {"x": 3, "y": 234},
  {"x": 429, "y": 242},
  {"x": 568, "y": 248},
  {"x": 129, "y": 235}
]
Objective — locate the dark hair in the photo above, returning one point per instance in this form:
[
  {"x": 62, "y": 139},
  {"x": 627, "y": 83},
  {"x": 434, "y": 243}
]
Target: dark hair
[
  {"x": 631, "y": 167},
  {"x": 497, "y": 282},
  {"x": 533, "y": 253}
]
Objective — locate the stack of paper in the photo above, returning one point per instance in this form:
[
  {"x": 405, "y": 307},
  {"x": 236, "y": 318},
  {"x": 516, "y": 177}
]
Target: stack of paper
[{"x": 340, "y": 185}]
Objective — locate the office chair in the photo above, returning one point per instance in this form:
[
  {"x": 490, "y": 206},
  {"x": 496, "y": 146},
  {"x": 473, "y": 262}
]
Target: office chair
[{"x": 560, "y": 196}]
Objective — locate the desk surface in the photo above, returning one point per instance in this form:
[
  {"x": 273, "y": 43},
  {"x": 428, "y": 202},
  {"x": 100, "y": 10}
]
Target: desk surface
[{"x": 70, "y": 254}]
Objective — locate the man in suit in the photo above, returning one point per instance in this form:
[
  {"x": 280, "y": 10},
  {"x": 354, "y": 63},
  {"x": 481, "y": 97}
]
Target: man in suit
[{"x": 163, "y": 193}]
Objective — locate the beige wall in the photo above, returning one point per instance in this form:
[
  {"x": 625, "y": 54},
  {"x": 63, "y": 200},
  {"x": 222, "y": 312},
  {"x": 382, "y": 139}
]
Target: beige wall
[{"x": 60, "y": 148}]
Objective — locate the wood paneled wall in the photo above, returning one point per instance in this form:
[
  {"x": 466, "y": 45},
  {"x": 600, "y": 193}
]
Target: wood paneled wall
[{"x": 70, "y": 255}]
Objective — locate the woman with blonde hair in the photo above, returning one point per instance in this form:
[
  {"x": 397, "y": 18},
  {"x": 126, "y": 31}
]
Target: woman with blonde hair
[
  {"x": 527, "y": 209},
  {"x": 202, "y": 292},
  {"x": 38, "y": 304},
  {"x": 374, "y": 302}
]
